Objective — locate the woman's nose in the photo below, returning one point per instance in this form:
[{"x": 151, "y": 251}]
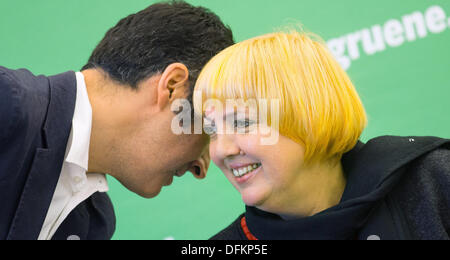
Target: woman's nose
[{"x": 225, "y": 146}]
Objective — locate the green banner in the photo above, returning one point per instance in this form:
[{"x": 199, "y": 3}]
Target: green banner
[{"x": 396, "y": 53}]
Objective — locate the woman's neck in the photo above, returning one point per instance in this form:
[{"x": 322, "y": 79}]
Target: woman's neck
[{"x": 315, "y": 190}]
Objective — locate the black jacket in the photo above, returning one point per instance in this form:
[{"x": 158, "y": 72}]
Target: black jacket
[
  {"x": 397, "y": 188},
  {"x": 35, "y": 122}
]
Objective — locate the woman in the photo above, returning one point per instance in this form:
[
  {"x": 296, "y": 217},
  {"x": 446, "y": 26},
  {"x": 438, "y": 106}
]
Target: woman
[{"x": 316, "y": 181}]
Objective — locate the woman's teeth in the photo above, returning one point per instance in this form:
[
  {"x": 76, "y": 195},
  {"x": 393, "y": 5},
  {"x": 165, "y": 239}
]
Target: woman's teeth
[{"x": 245, "y": 170}]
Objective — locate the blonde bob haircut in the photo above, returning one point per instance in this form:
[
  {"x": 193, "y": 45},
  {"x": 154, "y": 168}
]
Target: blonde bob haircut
[{"x": 319, "y": 106}]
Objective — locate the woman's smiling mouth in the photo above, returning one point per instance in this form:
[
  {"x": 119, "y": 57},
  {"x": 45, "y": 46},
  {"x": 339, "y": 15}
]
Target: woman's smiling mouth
[{"x": 245, "y": 172}]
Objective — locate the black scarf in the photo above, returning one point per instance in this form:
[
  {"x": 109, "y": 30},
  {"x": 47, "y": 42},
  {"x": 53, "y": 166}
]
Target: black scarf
[{"x": 372, "y": 171}]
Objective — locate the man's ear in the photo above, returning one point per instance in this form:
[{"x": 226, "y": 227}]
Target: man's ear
[{"x": 173, "y": 84}]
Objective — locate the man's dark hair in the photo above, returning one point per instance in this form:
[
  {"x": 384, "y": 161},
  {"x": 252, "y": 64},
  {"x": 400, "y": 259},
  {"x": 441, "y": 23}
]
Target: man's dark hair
[{"x": 146, "y": 43}]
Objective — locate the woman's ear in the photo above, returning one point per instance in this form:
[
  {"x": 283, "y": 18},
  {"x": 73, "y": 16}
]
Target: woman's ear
[{"x": 173, "y": 84}]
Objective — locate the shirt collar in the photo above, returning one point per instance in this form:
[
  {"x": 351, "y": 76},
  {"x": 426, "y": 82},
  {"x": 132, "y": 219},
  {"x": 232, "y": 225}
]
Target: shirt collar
[{"x": 78, "y": 147}]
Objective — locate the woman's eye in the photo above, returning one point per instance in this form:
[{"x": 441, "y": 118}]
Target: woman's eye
[{"x": 242, "y": 123}]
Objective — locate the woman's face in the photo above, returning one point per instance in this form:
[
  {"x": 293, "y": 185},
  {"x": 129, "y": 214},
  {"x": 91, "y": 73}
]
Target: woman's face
[{"x": 267, "y": 176}]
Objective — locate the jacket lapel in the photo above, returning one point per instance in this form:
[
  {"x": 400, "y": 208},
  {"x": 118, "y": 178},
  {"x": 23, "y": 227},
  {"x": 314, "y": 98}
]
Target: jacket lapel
[{"x": 46, "y": 167}]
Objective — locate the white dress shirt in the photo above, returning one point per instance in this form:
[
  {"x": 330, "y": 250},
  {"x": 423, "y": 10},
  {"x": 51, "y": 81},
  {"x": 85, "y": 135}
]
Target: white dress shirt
[{"x": 74, "y": 185}]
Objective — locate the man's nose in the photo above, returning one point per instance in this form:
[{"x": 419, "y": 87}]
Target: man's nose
[{"x": 198, "y": 171}]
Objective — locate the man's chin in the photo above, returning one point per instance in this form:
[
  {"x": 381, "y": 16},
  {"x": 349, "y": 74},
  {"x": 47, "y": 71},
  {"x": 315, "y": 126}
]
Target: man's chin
[
  {"x": 154, "y": 191},
  {"x": 148, "y": 194}
]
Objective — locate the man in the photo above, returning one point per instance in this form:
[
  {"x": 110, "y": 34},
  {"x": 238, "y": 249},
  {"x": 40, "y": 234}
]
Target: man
[{"x": 60, "y": 135}]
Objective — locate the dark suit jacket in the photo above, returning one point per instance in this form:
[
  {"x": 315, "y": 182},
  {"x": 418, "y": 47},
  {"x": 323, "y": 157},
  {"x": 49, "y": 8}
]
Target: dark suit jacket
[{"x": 35, "y": 122}]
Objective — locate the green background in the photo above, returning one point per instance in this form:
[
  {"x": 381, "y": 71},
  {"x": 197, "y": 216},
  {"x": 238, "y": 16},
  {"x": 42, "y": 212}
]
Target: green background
[{"x": 405, "y": 90}]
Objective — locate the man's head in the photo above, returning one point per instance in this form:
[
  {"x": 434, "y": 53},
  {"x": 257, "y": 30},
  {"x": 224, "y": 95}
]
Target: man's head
[{"x": 142, "y": 65}]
